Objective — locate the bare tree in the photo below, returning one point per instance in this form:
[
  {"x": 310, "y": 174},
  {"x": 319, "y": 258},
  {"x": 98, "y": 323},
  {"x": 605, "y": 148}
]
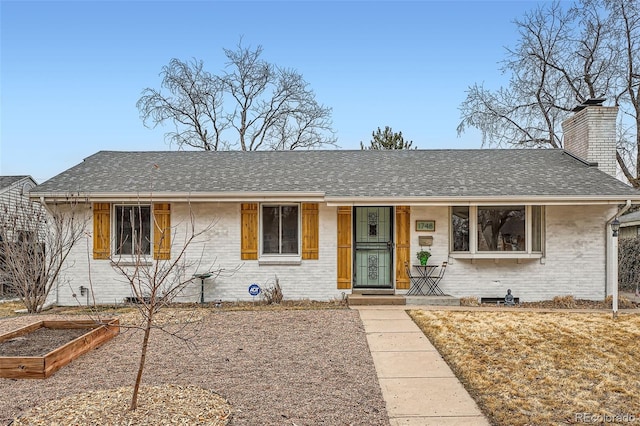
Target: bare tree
[
  {"x": 564, "y": 57},
  {"x": 387, "y": 139},
  {"x": 261, "y": 105},
  {"x": 625, "y": 27},
  {"x": 156, "y": 280},
  {"x": 35, "y": 241}
]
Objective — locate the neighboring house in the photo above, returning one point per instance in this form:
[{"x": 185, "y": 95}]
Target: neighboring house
[
  {"x": 630, "y": 225},
  {"x": 14, "y": 192},
  {"x": 329, "y": 223},
  {"x": 15, "y": 188}
]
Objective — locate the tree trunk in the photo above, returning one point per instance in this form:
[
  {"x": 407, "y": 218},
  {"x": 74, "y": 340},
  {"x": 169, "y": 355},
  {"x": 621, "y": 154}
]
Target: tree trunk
[{"x": 143, "y": 357}]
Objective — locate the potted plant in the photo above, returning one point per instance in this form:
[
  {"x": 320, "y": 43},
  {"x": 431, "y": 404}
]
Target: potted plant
[{"x": 423, "y": 256}]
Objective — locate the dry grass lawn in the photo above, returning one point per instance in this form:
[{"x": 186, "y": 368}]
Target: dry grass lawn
[
  {"x": 7, "y": 309},
  {"x": 532, "y": 368}
]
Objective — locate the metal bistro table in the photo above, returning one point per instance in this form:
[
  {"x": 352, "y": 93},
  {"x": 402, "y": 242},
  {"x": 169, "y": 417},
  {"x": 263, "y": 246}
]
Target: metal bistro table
[
  {"x": 423, "y": 281},
  {"x": 426, "y": 273}
]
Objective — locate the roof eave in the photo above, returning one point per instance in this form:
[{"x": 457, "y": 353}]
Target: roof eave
[
  {"x": 317, "y": 196},
  {"x": 184, "y": 196},
  {"x": 484, "y": 200}
]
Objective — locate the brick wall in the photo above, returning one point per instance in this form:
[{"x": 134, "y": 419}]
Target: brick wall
[
  {"x": 573, "y": 263},
  {"x": 591, "y": 135},
  {"x": 218, "y": 247},
  {"x": 574, "y": 260}
]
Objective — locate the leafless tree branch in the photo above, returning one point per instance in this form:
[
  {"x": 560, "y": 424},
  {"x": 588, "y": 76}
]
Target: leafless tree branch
[
  {"x": 564, "y": 56},
  {"x": 267, "y": 106}
]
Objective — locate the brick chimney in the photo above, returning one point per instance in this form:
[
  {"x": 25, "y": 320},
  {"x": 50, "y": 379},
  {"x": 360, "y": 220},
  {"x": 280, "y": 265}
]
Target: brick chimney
[{"x": 591, "y": 134}]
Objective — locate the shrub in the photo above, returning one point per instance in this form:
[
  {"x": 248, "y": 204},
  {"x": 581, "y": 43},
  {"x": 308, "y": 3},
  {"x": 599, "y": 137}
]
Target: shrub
[
  {"x": 272, "y": 294},
  {"x": 566, "y": 302},
  {"x": 629, "y": 263},
  {"x": 623, "y": 302},
  {"x": 469, "y": 301},
  {"x": 343, "y": 300}
]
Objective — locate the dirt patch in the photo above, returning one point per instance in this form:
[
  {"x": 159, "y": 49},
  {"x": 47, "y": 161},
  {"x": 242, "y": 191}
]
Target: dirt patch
[{"x": 40, "y": 341}]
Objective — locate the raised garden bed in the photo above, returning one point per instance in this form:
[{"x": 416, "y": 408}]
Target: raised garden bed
[{"x": 78, "y": 337}]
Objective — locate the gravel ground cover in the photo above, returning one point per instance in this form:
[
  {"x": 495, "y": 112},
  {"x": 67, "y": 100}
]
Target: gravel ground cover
[{"x": 289, "y": 367}]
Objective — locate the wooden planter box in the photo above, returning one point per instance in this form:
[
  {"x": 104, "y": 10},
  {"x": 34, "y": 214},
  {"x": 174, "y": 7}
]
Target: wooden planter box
[{"x": 41, "y": 367}]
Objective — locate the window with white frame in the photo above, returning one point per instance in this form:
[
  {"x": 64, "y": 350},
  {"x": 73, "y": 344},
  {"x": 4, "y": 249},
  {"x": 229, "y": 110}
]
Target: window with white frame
[
  {"x": 496, "y": 229},
  {"x": 132, "y": 231},
  {"x": 280, "y": 229}
]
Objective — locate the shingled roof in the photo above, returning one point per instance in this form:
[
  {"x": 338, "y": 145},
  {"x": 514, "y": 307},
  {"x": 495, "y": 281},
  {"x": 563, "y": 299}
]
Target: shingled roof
[
  {"x": 343, "y": 174},
  {"x": 6, "y": 181}
]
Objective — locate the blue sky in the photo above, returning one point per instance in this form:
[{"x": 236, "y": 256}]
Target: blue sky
[{"x": 71, "y": 72}]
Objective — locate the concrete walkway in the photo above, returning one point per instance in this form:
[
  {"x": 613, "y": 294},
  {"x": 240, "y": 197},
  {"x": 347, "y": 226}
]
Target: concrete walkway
[{"x": 418, "y": 387}]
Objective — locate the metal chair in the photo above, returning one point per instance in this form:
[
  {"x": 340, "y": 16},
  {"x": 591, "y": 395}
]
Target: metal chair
[
  {"x": 434, "y": 280},
  {"x": 417, "y": 282}
]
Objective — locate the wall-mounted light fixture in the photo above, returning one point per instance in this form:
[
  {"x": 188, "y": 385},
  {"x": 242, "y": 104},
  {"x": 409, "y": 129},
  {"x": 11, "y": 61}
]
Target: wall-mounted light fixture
[{"x": 615, "y": 227}]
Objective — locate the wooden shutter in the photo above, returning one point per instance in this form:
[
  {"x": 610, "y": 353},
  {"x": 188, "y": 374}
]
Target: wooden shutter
[
  {"x": 101, "y": 230},
  {"x": 162, "y": 231},
  {"x": 344, "y": 247},
  {"x": 310, "y": 229},
  {"x": 403, "y": 245},
  {"x": 249, "y": 231}
]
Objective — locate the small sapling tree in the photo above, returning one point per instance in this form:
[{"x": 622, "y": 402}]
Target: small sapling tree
[{"x": 157, "y": 270}]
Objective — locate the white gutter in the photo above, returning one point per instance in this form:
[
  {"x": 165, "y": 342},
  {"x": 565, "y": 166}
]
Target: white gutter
[
  {"x": 319, "y": 197},
  {"x": 43, "y": 203},
  {"x": 477, "y": 201},
  {"x": 612, "y": 259}
]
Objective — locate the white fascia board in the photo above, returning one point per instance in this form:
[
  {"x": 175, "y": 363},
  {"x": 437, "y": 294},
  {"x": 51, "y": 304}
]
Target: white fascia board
[
  {"x": 320, "y": 197},
  {"x": 631, "y": 223},
  {"x": 195, "y": 197},
  {"x": 479, "y": 201}
]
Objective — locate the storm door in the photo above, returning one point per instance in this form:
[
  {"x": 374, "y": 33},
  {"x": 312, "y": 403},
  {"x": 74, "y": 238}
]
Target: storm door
[{"x": 373, "y": 234}]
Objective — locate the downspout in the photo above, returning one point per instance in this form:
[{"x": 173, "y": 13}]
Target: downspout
[
  {"x": 612, "y": 259},
  {"x": 43, "y": 203}
]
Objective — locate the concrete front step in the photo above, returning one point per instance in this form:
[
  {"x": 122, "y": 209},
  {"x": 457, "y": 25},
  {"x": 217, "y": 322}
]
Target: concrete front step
[
  {"x": 374, "y": 291},
  {"x": 368, "y": 299},
  {"x": 371, "y": 300},
  {"x": 432, "y": 300}
]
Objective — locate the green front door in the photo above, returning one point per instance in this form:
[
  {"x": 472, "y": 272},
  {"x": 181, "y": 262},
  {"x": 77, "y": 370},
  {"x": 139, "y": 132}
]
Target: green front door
[{"x": 373, "y": 238}]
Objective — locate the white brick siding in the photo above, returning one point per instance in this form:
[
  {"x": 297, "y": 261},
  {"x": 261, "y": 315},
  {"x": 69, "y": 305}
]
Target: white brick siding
[
  {"x": 574, "y": 260},
  {"x": 219, "y": 247}
]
